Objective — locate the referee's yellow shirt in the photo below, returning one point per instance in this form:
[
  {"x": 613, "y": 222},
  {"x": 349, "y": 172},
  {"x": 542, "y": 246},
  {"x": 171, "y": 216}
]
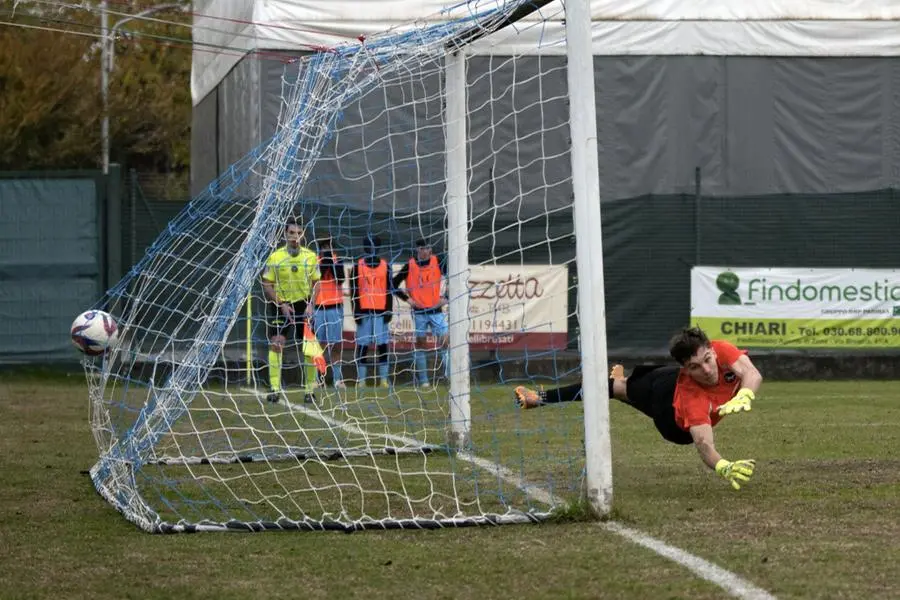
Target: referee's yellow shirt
[{"x": 293, "y": 276}]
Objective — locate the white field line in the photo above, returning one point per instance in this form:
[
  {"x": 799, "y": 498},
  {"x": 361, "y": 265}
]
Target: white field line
[{"x": 728, "y": 581}]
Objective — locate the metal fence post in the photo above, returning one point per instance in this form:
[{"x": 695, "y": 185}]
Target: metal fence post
[
  {"x": 113, "y": 225},
  {"x": 697, "y": 200},
  {"x": 132, "y": 224}
]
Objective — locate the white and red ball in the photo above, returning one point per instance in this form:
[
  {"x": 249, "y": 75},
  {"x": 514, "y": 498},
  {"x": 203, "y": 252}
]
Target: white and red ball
[{"x": 94, "y": 332}]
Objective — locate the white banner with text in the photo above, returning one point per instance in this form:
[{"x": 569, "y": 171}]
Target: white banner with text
[
  {"x": 510, "y": 307},
  {"x": 798, "y": 308}
]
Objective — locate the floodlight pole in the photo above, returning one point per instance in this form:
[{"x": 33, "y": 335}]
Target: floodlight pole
[
  {"x": 107, "y": 58},
  {"x": 104, "y": 84},
  {"x": 589, "y": 256}
]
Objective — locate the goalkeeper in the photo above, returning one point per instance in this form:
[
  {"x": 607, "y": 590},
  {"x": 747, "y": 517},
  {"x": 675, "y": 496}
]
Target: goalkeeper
[
  {"x": 290, "y": 283},
  {"x": 715, "y": 379}
]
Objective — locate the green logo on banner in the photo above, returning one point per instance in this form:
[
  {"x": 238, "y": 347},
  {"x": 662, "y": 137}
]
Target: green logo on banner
[
  {"x": 728, "y": 282},
  {"x": 897, "y": 311}
]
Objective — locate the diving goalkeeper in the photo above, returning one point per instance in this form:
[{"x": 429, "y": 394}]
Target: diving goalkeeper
[{"x": 715, "y": 379}]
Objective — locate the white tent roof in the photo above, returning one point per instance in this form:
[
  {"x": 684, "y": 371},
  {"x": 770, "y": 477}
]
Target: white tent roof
[{"x": 225, "y": 30}]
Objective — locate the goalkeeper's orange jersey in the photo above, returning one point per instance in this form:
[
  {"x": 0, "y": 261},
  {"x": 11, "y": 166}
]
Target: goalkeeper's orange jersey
[{"x": 698, "y": 405}]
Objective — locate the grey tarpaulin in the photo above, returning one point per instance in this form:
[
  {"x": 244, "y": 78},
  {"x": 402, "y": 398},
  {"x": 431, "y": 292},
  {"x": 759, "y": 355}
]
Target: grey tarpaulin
[
  {"x": 771, "y": 136},
  {"x": 754, "y": 125}
]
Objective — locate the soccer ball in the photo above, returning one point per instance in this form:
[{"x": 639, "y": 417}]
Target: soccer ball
[{"x": 94, "y": 332}]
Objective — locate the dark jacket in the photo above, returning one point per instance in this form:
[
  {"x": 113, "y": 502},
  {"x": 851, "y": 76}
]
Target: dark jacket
[{"x": 328, "y": 264}]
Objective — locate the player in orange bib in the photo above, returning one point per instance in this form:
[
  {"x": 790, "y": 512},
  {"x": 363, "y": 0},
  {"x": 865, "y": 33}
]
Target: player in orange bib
[
  {"x": 423, "y": 276},
  {"x": 328, "y": 316},
  {"x": 370, "y": 285},
  {"x": 714, "y": 379}
]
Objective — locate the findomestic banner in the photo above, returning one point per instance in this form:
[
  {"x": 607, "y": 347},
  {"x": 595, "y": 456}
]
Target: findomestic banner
[
  {"x": 798, "y": 308},
  {"x": 510, "y": 306}
]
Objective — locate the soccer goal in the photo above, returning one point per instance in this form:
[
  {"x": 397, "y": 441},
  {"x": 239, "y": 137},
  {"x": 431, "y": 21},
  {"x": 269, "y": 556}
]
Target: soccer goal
[{"x": 473, "y": 131}]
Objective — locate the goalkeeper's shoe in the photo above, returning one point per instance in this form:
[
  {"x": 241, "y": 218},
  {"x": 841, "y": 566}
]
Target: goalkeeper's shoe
[
  {"x": 528, "y": 398},
  {"x": 274, "y": 396},
  {"x": 737, "y": 472},
  {"x": 740, "y": 403}
]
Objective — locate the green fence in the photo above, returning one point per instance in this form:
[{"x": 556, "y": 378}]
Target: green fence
[
  {"x": 149, "y": 203},
  {"x": 65, "y": 238},
  {"x": 651, "y": 243}
]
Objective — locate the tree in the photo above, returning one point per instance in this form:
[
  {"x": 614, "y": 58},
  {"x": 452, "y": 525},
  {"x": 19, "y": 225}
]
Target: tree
[
  {"x": 49, "y": 101},
  {"x": 50, "y": 105}
]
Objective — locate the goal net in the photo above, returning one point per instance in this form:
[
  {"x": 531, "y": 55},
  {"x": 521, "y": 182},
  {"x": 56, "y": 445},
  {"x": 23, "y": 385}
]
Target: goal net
[{"x": 436, "y": 133}]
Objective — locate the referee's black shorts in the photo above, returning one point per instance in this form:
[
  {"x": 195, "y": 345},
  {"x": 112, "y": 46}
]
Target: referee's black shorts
[
  {"x": 651, "y": 390},
  {"x": 278, "y": 324}
]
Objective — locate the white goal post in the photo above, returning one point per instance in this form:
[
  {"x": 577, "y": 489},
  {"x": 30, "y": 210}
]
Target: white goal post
[
  {"x": 588, "y": 238},
  {"x": 404, "y": 140}
]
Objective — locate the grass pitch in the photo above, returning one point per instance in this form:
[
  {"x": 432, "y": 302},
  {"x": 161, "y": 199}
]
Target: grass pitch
[{"x": 820, "y": 519}]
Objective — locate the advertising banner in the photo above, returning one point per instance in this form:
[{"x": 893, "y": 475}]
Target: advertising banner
[
  {"x": 798, "y": 308},
  {"x": 510, "y": 307}
]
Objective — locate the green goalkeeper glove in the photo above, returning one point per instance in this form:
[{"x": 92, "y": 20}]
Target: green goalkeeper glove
[
  {"x": 741, "y": 402},
  {"x": 737, "y": 472}
]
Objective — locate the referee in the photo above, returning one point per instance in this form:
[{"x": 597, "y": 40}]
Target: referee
[{"x": 290, "y": 283}]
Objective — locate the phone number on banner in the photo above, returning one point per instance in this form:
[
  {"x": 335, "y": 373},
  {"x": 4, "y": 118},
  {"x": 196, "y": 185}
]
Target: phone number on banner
[{"x": 803, "y": 333}]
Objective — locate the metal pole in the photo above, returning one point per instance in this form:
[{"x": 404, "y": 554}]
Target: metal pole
[
  {"x": 107, "y": 55},
  {"x": 697, "y": 216},
  {"x": 133, "y": 192},
  {"x": 104, "y": 85}
]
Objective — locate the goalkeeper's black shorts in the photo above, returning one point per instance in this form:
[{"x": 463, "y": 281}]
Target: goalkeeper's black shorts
[
  {"x": 278, "y": 324},
  {"x": 651, "y": 390}
]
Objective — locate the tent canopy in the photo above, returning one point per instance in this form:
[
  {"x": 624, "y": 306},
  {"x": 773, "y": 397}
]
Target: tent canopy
[{"x": 225, "y": 31}]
